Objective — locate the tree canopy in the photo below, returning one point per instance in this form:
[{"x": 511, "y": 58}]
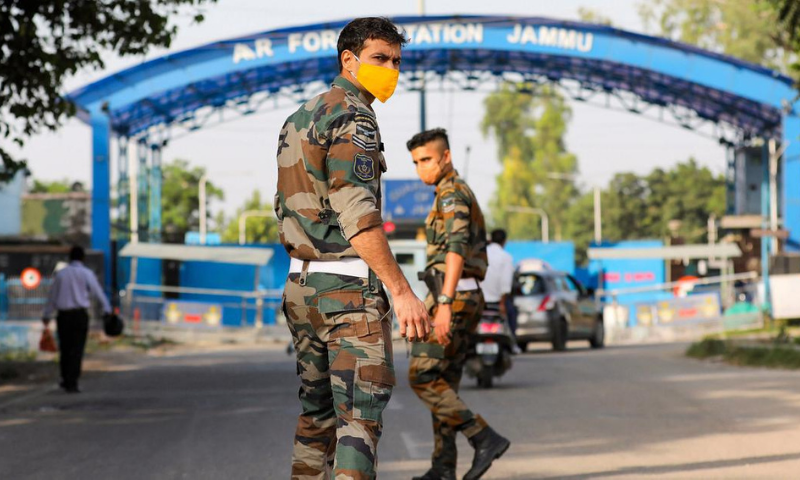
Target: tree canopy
[
  {"x": 259, "y": 229},
  {"x": 529, "y": 125},
  {"x": 44, "y": 42},
  {"x": 180, "y": 202}
]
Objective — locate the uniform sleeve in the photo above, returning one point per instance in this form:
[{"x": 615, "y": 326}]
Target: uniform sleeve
[
  {"x": 354, "y": 173},
  {"x": 455, "y": 210}
]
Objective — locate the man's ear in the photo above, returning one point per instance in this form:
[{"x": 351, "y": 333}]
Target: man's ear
[
  {"x": 347, "y": 58},
  {"x": 446, "y": 156}
]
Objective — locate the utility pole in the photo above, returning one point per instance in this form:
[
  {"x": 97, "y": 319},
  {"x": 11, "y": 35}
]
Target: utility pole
[
  {"x": 534, "y": 211},
  {"x": 202, "y": 200},
  {"x": 598, "y": 219},
  {"x": 422, "y": 114},
  {"x": 466, "y": 162}
]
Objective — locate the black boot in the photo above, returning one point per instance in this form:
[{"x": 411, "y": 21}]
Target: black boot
[
  {"x": 433, "y": 474},
  {"x": 489, "y": 445}
]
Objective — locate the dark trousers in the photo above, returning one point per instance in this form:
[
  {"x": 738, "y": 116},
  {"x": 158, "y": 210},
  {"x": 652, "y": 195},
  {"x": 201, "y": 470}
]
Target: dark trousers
[
  {"x": 511, "y": 314},
  {"x": 73, "y": 326}
]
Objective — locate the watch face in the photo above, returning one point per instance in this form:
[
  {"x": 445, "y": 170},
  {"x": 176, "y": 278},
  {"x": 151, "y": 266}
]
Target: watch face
[{"x": 444, "y": 299}]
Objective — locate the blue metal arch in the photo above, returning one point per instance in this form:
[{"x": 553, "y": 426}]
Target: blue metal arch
[{"x": 754, "y": 100}]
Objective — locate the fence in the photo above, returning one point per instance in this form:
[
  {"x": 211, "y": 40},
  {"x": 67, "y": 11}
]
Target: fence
[
  {"x": 20, "y": 303},
  {"x": 201, "y": 307},
  {"x": 703, "y": 305}
]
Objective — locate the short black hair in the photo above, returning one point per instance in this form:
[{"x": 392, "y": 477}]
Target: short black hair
[
  {"x": 357, "y": 32},
  {"x": 428, "y": 136},
  {"x": 499, "y": 236},
  {"x": 77, "y": 253}
]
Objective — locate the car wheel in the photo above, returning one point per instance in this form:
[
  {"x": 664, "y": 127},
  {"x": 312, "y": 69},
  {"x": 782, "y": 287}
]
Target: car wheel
[
  {"x": 523, "y": 346},
  {"x": 598, "y": 339},
  {"x": 560, "y": 335}
]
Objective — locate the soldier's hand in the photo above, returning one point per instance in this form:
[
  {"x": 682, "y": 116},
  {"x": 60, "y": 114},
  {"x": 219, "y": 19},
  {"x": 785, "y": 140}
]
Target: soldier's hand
[
  {"x": 441, "y": 324},
  {"x": 412, "y": 317}
]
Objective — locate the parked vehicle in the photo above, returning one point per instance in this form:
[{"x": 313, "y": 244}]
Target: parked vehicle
[
  {"x": 490, "y": 350},
  {"x": 554, "y": 307}
]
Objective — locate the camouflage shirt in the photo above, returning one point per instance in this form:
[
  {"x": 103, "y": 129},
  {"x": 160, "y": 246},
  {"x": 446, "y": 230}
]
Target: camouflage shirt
[
  {"x": 456, "y": 225},
  {"x": 329, "y": 170}
]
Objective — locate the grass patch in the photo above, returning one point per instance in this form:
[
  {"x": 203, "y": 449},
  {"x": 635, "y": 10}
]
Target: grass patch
[
  {"x": 148, "y": 342},
  {"x": 776, "y": 355},
  {"x": 22, "y": 365}
]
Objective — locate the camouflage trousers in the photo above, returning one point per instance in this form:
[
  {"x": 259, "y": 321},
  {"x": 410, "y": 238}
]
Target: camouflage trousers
[
  {"x": 435, "y": 374},
  {"x": 342, "y": 335}
]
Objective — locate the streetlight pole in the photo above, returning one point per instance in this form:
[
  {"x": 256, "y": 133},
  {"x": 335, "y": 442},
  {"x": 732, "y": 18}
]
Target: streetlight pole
[
  {"x": 466, "y": 163},
  {"x": 243, "y": 222},
  {"x": 534, "y": 211},
  {"x": 202, "y": 200},
  {"x": 201, "y": 197},
  {"x": 422, "y": 108},
  {"x": 598, "y": 219}
]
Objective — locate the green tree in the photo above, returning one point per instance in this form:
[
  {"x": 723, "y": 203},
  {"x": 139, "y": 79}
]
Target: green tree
[
  {"x": 43, "y": 42},
  {"x": 180, "y": 201},
  {"x": 580, "y": 225},
  {"x": 537, "y": 169},
  {"x": 259, "y": 229},
  {"x": 688, "y": 193},
  {"x": 510, "y": 117},
  {"x": 56, "y": 186},
  {"x": 738, "y": 28},
  {"x": 639, "y": 207},
  {"x": 590, "y": 15},
  {"x": 788, "y": 14}
]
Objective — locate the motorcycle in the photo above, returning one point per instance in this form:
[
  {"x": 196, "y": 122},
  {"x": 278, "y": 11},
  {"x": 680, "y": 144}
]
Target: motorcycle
[{"x": 490, "y": 349}]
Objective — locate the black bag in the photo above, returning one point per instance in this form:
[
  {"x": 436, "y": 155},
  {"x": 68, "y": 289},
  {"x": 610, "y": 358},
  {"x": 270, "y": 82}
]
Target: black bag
[{"x": 113, "y": 325}]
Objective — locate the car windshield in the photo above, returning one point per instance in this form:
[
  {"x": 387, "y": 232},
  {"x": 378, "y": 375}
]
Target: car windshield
[{"x": 529, "y": 284}]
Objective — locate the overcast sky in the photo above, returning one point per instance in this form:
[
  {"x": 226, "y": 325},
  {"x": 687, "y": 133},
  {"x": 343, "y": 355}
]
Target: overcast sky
[{"x": 240, "y": 156}]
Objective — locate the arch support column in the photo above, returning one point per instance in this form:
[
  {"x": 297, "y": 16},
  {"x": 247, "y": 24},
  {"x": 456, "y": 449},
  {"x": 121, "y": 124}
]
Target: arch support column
[
  {"x": 101, "y": 191},
  {"x": 791, "y": 181}
]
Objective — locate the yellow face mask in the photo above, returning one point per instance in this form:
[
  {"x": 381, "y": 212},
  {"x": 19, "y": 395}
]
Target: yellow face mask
[{"x": 379, "y": 81}]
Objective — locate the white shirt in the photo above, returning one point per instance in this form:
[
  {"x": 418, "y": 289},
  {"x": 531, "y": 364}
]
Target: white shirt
[
  {"x": 72, "y": 288},
  {"x": 499, "y": 275}
]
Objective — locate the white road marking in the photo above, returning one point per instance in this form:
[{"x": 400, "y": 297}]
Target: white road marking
[{"x": 415, "y": 452}]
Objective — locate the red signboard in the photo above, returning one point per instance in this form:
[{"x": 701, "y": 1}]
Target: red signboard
[{"x": 30, "y": 278}]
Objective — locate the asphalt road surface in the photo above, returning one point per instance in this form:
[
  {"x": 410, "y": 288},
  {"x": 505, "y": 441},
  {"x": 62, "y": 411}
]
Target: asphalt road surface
[{"x": 633, "y": 412}]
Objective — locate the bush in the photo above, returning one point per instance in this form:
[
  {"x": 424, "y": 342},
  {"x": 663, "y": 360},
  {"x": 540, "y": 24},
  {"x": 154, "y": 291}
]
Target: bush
[{"x": 772, "y": 356}]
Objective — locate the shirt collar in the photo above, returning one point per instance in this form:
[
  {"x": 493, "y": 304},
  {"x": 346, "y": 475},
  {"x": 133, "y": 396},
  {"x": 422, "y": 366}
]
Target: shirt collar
[
  {"x": 348, "y": 86},
  {"x": 451, "y": 175}
]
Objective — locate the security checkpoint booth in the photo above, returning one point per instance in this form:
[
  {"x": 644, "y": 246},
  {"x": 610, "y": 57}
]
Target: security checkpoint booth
[{"x": 211, "y": 292}]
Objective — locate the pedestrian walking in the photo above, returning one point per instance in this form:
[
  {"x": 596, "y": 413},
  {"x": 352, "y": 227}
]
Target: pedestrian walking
[{"x": 70, "y": 298}]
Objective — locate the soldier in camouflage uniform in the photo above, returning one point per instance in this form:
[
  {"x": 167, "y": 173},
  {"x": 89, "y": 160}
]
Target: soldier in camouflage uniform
[
  {"x": 328, "y": 210},
  {"x": 457, "y": 248}
]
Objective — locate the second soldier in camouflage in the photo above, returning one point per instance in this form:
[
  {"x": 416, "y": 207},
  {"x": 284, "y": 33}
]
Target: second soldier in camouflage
[{"x": 456, "y": 238}]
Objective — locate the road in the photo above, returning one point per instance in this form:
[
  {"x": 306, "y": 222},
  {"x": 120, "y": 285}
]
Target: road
[{"x": 625, "y": 412}]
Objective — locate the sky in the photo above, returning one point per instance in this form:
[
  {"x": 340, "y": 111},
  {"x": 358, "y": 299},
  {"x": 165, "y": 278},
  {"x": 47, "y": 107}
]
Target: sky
[{"x": 240, "y": 156}]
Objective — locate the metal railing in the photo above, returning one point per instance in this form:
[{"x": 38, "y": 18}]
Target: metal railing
[
  {"x": 201, "y": 307},
  {"x": 735, "y": 299},
  {"x": 20, "y": 303}
]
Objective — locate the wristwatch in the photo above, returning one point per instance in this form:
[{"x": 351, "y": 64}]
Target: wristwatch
[{"x": 444, "y": 299}]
